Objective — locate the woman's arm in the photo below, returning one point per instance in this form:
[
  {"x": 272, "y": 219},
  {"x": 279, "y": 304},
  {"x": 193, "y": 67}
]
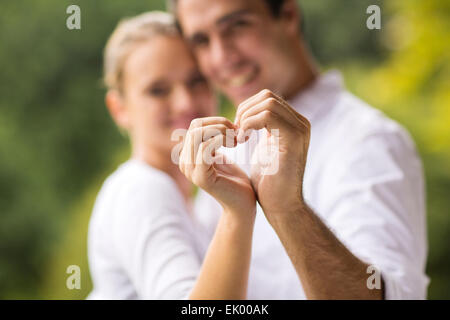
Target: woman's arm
[{"x": 224, "y": 273}]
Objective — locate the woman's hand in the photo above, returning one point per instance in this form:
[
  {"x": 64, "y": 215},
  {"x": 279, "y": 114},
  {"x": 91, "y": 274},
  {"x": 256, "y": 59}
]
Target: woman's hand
[{"x": 212, "y": 171}]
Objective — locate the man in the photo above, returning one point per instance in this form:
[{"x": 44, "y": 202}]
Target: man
[{"x": 347, "y": 200}]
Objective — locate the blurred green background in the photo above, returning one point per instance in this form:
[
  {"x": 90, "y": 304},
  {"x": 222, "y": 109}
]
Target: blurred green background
[{"x": 58, "y": 144}]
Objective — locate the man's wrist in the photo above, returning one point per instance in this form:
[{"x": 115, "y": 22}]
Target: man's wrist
[{"x": 287, "y": 214}]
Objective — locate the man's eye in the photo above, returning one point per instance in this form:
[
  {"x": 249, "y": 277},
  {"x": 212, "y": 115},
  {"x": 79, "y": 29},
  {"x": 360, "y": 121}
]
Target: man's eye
[
  {"x": 239, "y": 23},
  {"x": 235, "y": 27},
  {"x": 200, "y": 41}
]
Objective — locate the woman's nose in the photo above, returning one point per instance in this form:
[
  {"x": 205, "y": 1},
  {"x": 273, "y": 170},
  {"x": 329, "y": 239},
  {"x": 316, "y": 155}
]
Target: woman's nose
[{"x": 182, "y": 100}]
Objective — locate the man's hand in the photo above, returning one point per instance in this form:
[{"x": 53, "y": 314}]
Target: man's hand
[
  {"x": 326, "y": 268},
  {"x": 288, "y": 133}
]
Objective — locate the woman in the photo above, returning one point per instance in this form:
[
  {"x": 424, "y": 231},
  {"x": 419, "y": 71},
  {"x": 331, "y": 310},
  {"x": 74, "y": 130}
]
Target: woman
[{"x": 142, "y": 241}]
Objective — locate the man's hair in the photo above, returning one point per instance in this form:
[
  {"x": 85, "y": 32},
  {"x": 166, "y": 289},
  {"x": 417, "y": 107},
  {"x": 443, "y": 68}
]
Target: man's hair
[{"x": 274, "y": 6}]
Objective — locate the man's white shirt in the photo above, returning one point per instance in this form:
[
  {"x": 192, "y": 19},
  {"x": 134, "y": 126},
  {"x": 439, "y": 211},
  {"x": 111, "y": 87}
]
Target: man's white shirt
[{"x": 363, "y": 178}]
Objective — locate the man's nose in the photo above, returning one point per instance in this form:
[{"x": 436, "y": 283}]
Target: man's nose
[{"x": 222, "y": 52}]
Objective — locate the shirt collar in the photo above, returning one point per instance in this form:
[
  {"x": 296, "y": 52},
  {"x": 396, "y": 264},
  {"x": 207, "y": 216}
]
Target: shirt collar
[{"x": 323, "y": 93}]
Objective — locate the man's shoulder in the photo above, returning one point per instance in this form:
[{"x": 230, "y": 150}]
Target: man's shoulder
[
  {"x": 362, "y": 118},
  {"x": 353, "y": 133},
  {"x": 354, "y": 121}
]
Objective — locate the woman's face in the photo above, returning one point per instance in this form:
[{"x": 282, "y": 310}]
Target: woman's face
[{"x": 163, "y": 90}]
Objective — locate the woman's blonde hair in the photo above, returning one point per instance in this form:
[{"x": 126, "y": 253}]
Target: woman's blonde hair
[{"x": 128, "y": 33}]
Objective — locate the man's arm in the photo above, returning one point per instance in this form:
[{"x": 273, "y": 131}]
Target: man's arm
[
  {"x": 374, "y": 202},
  {"x": 326, "y": 268}
]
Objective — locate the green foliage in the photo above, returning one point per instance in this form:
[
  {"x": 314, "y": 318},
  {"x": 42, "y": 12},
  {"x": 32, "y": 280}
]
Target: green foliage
[
  {"x": 413, "y": 86},
  {"x": 55, "y": 133},
  {"x": 58, "y": 143},
  {"x": 336, "y": 31}
]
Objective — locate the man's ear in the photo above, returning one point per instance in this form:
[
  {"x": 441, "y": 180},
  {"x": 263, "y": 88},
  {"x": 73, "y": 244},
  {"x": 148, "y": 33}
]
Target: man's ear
[
  {"x": 117, "y": 109},
  {"x": 290, "y": 13}
]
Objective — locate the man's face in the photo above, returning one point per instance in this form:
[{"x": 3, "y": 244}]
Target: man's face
[{"x": 240, "y": 46}]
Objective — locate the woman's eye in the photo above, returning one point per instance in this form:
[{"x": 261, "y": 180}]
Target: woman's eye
[
  {"x": 197, "y": 81},
  {"x": 158, "y": 91}
]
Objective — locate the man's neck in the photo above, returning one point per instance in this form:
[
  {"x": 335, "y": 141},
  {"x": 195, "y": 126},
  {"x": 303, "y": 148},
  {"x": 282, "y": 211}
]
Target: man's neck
[{"x": 304, "y": 72}]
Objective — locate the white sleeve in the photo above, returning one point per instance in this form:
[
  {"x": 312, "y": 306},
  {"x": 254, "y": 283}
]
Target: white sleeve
[
  {"x": 375, "y": 204},
  {"x": 154, "y": 241}
]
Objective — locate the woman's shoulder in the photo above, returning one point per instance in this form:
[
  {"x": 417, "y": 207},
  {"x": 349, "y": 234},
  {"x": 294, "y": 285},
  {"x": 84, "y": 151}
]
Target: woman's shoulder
[
  {"x": 136, "y": 186},
  {"x": 136, "y": 176}
]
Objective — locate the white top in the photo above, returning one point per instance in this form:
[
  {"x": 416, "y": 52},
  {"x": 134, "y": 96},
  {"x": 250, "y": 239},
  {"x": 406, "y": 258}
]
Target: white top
[
  {"x": 363, "y": 178},
  {"x": 141, "y": 241}
]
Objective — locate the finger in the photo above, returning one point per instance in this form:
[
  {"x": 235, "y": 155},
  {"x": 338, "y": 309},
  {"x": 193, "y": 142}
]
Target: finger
[
  {"x": 211, "y": 131},
  {"x": 273, "y": 107},
  {"x": 202, "y": 122},
  {"x": 198, "y": 135},
  {"x": 260, "y": 96},
  {"x": 203, "y": 168},
  {"x": 185, "y": 162},
  {"x": 265, "y": 119},
  {"x": 209, "y": 126},
  {"x": 288, "y": 112},
  {"x": 243, "y": 135},
  {"x": 293, "y": 112},
  {"x": 211, "y": 146},
  {"x": 207, "y": 150},
  {"x": 270, "y": 104}
]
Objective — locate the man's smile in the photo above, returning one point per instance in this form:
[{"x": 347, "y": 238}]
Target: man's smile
[{"x": 242, "y": 79}]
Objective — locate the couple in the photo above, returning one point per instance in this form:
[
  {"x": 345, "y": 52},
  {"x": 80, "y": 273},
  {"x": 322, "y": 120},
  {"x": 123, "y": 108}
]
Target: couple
[{"x": 347, "y": 198}]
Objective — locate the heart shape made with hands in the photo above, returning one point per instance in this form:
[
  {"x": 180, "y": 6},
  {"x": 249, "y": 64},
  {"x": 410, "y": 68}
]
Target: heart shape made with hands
[{"x": 277, "y": 162}]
